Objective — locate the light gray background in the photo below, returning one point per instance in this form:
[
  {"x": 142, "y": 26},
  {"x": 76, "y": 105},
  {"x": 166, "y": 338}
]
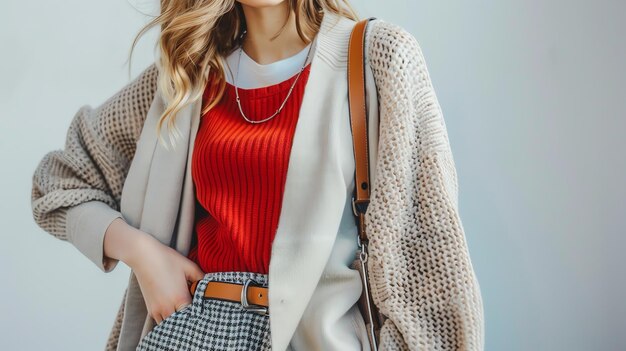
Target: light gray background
[{"x": 534, "y": 100}]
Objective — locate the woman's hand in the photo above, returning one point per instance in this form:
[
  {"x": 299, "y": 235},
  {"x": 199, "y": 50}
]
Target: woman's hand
[
  {"x": 163, "y": 275},
  {"x": 162, "y": 272}
]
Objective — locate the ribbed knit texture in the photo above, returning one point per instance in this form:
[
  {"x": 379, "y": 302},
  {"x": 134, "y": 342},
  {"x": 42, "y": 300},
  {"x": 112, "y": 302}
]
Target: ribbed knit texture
[{"x": 239, "y": 170}]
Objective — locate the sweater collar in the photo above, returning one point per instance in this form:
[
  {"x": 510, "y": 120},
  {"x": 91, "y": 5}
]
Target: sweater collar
[{"x": 333, "y": 36}]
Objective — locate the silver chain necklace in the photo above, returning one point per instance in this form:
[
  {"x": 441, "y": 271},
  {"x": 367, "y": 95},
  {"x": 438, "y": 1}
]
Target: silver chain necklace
[{"x": 286, "y": 98}]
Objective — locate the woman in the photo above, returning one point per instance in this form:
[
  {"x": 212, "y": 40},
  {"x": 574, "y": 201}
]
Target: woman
[{"x": 257, "y": 188}]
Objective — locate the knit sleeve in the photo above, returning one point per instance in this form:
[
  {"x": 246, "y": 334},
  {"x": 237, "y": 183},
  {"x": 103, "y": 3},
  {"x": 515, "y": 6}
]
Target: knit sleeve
[
  {"x": 421, "y": 273},
  {"x": 76, "y": 190}
]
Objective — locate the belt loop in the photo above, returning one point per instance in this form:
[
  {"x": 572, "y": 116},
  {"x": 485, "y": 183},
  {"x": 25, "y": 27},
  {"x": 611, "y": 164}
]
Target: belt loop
[{"x": 202, "y": 285}]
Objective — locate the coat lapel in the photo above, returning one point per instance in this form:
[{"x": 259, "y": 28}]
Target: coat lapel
[
  {"x": 150, "y": 202},
  {"x": 319, "y": 172},
  {"x": 159, "y": 196}
]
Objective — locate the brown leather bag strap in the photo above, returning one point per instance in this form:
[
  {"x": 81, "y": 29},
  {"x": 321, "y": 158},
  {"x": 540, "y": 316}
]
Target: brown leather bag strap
[{"x": 358, "y": 122}]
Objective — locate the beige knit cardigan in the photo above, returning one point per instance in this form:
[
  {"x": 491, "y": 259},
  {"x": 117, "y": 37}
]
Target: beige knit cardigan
[{"x": 421, "y": 273}]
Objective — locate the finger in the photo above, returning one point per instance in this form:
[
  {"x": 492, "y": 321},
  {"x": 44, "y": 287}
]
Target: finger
[
  {"x": 167, "y": 314},
  {"x": 182, "y": 306},
  {"x": 193, "y": 272}
]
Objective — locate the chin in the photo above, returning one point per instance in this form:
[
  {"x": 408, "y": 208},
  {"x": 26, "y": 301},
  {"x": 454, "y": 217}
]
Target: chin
[{"x": 260, "y": 3}]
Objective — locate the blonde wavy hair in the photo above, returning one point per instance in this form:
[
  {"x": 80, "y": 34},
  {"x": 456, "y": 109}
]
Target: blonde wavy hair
[{"x": 195, "y": 36}]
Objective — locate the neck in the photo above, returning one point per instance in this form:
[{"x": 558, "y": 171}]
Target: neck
[{"x": 271, "y": 33}]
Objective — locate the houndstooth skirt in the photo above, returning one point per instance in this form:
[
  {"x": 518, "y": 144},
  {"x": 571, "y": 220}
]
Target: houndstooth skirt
[{"x": 212, "y": 324}]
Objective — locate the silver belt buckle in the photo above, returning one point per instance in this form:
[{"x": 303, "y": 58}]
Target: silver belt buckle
[{"x": 244, "y": 299}]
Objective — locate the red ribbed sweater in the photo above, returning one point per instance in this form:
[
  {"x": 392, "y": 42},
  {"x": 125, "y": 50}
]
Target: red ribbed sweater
[{"x": 239, "y": 171}]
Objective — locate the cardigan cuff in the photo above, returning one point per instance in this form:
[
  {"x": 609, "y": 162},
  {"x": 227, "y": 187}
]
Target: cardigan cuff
[{"x": 86, "y": 225}]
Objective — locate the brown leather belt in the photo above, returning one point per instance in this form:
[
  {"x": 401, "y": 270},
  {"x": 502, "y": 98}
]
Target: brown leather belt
[{"x": 250, "y": 294}]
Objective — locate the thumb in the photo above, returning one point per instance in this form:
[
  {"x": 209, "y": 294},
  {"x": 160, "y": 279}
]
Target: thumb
[{"x": 193, "y": 272}]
